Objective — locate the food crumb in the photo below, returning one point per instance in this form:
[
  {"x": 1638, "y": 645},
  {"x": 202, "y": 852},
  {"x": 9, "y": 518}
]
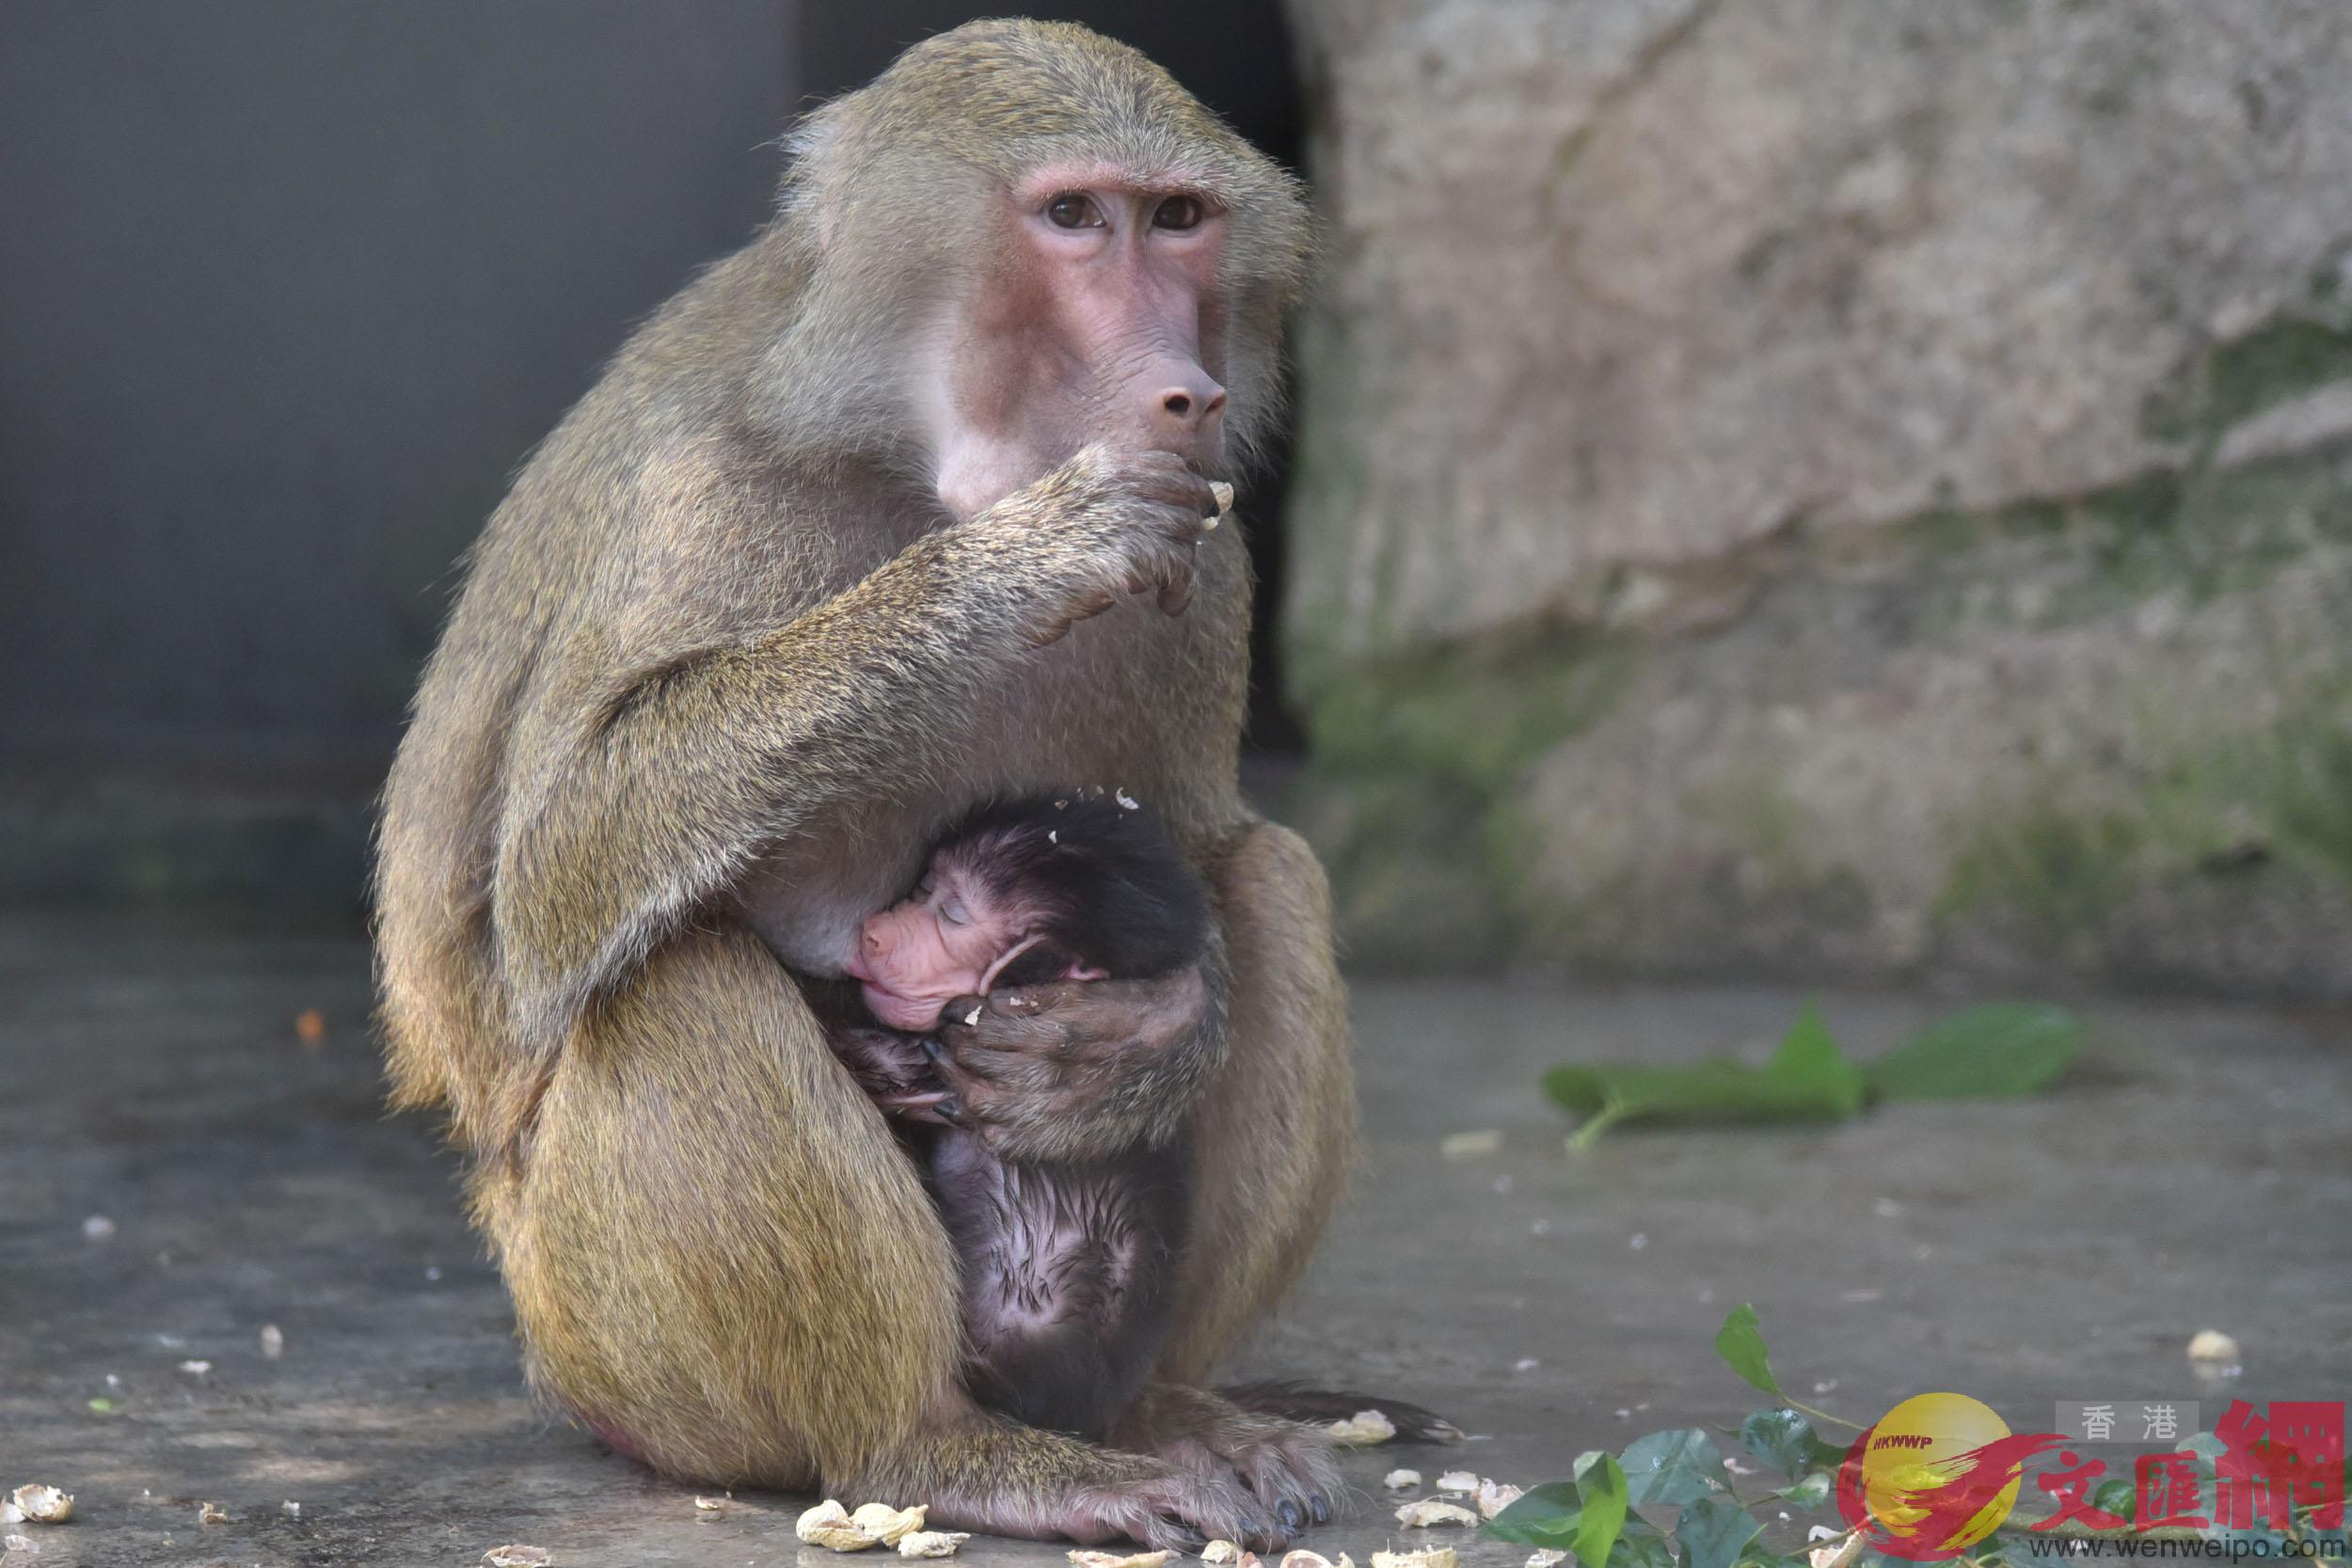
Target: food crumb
[
  {"x": 1401, "y": 1481},
  {"x": 829, "y": 1524},
  {"x": 712, "y": 1505},
  {"x": 1084, "y": 1558},
  {"x": 1429, "y": 1513},
  {"x": 518, "y": 1556},
  {"x": 1460, "y": 1482},
  {"x": 1472, "y": 1144},
  {"x": 43, "y": 1505},
  {"x": 931, "y": 1542},
  {"x": 311, "y": 1027},
  {"x": 889, "y": 1525},
  {"x": 273, "y": 1343},
  {"x": 1221, "y": 1551},
  {"x": 1494, "y": 1496},
  {"x": 98, "y": 1228},
  {"x": 1362, "y": 1430},
  {"x": 1428, "y": 1557},
  {"x": 1838, "y": 1553},
  {"x": 211, "y": 1514}
]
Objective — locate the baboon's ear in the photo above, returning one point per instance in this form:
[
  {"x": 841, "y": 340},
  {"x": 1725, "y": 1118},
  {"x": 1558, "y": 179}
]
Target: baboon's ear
[{"x": 819, "y": 149}]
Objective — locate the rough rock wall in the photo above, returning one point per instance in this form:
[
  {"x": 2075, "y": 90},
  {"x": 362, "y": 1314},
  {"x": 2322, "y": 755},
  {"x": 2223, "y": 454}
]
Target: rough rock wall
[{"x": 1810, "y": 487}]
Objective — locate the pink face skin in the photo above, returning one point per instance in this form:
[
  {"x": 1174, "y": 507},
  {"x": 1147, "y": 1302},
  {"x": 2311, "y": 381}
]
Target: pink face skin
[
  {"x": 951, "y": 939},
  {"x": 1100, "y": 320}
]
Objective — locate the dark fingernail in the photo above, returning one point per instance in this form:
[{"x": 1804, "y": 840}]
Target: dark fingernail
[
  {"x": 1323, "y": 1509},
  {"x": 1288, "y": 1512},
  {"x": 950, "y": 1111},
  {"x": 934, "y": 1051}
]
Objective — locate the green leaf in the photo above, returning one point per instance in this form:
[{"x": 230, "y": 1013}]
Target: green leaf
[
  {"x": 1641, "y": 1545},
  {"x": 1809, "y": 1060},
  {"x": 1999, "y": 1050},
  {"x": 1781, "y": 1439},
  {"x": 1740, "y": 1342},
  {"x": 1672, "y": 1467},
  {"x": 1546, "y": 1515},
  {"x": 103, "y": 1405},
  {"x": 1602, "y": 1490},
  {"x": 1806, "y": 1080},
  {"x": 2114, "y": 1496},
  {"x": 1810, "y": 1493},
  {"x": 1711, "y": 1532},
  {"x": 1715, "y": 1090}
]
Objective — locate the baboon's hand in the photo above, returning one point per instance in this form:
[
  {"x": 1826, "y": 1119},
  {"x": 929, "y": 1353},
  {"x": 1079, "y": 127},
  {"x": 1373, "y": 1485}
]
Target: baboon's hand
[
  {"x": 894, "y": 1069},
  {"x": 1075, "y": 1068},
  {"x": 1179, "y": 1509},
  {"x": 1105, "y": 524},
  {"x": 1287, "y": 1466}
]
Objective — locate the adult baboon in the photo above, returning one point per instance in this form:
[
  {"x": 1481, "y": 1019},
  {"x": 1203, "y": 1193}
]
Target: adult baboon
[{"x": 783, "y": 595}]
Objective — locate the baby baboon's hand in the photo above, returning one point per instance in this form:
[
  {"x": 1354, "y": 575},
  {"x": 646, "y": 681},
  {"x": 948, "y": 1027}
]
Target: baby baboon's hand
[
  {"x": 894, "y": 1069},
  {"x": 1076, "y": 1068},
  {"x": 1105, "y": 524}
]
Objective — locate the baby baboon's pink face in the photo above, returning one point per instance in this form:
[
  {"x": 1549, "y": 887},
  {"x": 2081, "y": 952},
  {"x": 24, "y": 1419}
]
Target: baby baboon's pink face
[{"x": 948, "y": 940}]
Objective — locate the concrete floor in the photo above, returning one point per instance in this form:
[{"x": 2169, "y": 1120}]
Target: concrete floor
[{"x": 2195, "y": 1174}]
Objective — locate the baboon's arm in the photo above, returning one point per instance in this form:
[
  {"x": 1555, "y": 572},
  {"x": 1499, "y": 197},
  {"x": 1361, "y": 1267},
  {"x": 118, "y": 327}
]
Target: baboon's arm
[{"x": 669, "y": 779}]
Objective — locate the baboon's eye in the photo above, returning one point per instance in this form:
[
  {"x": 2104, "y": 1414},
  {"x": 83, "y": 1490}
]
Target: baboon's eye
[
  {"x": 1179, "y": 212},
  {"x": 953, "y": 912},
  {"x": 1071, "y": 210}
]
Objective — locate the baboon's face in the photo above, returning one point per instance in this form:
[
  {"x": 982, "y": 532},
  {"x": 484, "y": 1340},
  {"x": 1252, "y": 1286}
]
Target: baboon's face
[
  {"x": 1096, "y": 316},
  {"x": 966, "y": 921}
]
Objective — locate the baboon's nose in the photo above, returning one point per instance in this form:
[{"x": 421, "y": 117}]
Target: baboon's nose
[{"x": 1188, "y": 405}]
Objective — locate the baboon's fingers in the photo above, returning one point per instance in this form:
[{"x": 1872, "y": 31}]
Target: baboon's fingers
[
  {"x": 963, "y": 1051},
  {"x": 938, "y": 1106},
  {"x": 1176, "y": 591}
]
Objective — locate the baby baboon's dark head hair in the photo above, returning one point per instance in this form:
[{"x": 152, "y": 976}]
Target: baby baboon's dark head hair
[{"x": 1105, "y": 881}]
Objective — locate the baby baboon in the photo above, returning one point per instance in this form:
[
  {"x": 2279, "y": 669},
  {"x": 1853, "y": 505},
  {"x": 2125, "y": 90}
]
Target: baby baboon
[{"x": 1067, "y": 1266}]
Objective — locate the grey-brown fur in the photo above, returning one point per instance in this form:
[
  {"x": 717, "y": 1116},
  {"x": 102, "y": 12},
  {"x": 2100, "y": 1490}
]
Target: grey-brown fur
[{"x": 721, "y": 665}]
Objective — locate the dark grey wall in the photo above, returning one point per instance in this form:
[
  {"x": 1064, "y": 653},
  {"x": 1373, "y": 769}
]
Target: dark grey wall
[
  {"x": 286, "y": 292},
  {"x": 289, "y": 288}
]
